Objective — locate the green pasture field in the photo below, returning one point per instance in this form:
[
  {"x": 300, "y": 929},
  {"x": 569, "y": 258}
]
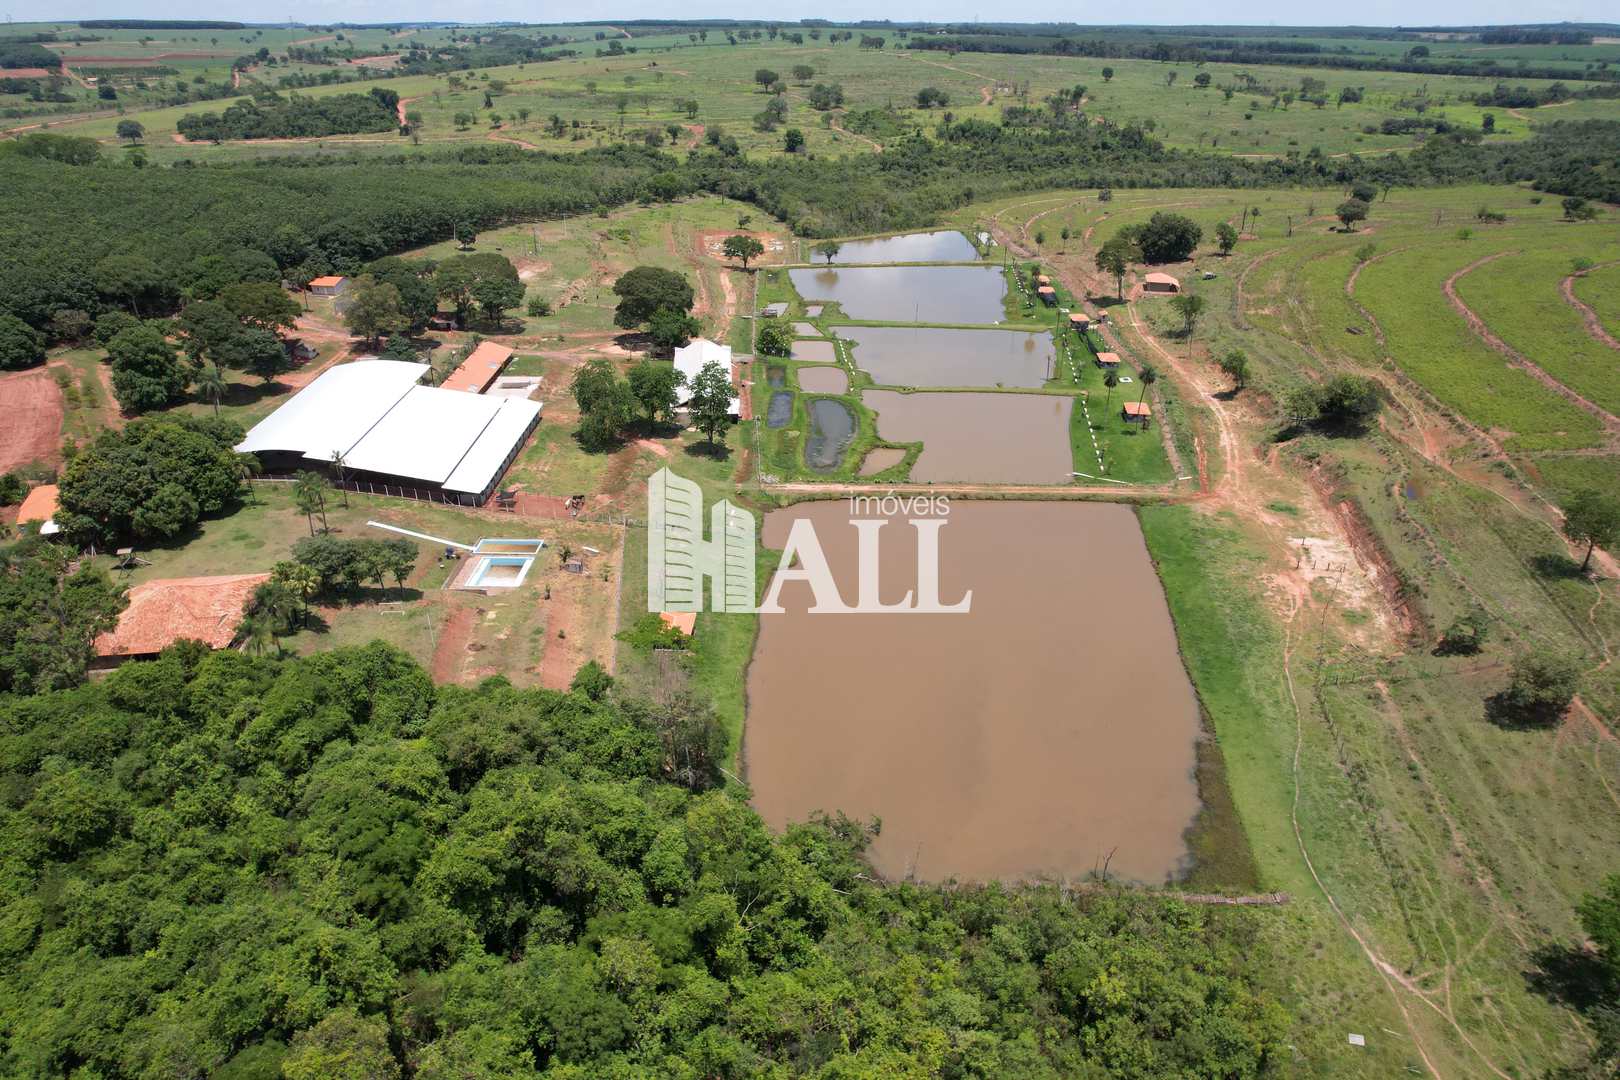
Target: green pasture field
[
  {"x": 1599, "y": 289},
  {"x": 1518, "y": 297},
  {"x": 605, "y": 99}
]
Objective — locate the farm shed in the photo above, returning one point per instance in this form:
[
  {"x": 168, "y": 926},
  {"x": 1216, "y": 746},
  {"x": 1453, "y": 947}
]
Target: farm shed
[
  {"x": 40, "y": 505},
  {"x": 166, "y": 610},
  {"x": 480, "y": 369},
  {"x": 1160, "y": 283},
  {"x": 390, "y": 430},
  {"x": 1079, "y": 320},
  {"x": 1047, "y": 294},
  {"x": 1137, "y": 411},
  {"x": 330, "y": 285},
  {"x": 1108, "y": 360},
  {"x": 692, "y": 358}
]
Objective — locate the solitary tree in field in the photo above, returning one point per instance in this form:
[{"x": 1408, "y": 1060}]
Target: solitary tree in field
[
  {"x": 1351, "y": 211},
  {"x": 743, "y": 248},
  {"x": 1592, "y": 518},
  {"x": 465, "y": 235},
  {"x": 1190, "y": 306},
  {"x": 1226, "y": 237},
  {"x": 710, "y": 404},
  {"x": 1236, "y": 365},
  {"x": 1108, "y": 74},
  {"x": 131, "y": 130},
  {"x": 1114, "y": 258},
  {"x": 827, "y": 249}
]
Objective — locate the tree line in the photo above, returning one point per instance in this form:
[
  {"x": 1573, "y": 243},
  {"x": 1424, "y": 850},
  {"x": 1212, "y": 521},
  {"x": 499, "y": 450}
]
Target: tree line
[{"x": 220, "y": 864}]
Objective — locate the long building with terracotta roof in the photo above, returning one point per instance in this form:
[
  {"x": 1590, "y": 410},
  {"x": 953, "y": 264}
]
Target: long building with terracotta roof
[
  {"x": 166, "y": 610},
  {"x": 481, "y": 368}
]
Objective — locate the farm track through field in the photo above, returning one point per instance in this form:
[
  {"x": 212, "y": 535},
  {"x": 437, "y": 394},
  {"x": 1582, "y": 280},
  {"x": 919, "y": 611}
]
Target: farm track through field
[
  {"x": 1594, "y": 325},
  {"x": 1610, "y": 422}
]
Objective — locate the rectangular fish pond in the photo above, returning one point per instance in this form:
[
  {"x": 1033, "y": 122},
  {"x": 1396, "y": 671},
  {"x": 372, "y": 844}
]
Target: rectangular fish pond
[
  {"x": 946, "y": 245},
  {"x": 929, "y": 294},
  {"x": 981, "y": 438},
  {"x": 935, "y": 356},
  {"x": 1049, "y": 728}
]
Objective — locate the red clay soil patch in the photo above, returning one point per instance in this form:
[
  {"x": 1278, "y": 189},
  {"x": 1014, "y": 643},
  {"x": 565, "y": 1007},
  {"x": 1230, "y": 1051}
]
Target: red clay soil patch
[
  {"x": 454, "y": 635},
  {"x": 710, "y": 242},
  {"x": 562, "y": 656},
  {"x": 32, "y": 405}
]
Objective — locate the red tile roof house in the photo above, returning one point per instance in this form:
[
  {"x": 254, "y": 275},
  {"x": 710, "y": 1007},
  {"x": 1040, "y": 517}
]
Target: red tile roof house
[
  {"x": 481, "y": 368},
  {"x": 1107, "y": 360},
  {"x": 1137, "y": 411},
  {"x": 40, "y": 507},
  {"x": 1047, "y": 294},
  {"x": 165, "y": 610},
  {"x": 331, "y": 285}
]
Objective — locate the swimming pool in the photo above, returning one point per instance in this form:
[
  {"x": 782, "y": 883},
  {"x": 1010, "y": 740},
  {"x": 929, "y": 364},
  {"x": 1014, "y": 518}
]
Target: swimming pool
[{"x": 499, "y": 572}]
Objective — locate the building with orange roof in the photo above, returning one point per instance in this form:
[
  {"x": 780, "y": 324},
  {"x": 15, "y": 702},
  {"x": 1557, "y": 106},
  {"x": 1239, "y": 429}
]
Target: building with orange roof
[
  {"x": 1080, "y": 320},
  {"x": 481, "y": 368},
  {"x": 1137, "y": 411},
  {"x": 684, "y": 621},
  {"x": 1160, "y": 283},
  {"x": 1047, "y": 294},
  {"x": 330, "y": 285},
  {"x": 40, "y": 506},
  {"x": 166, "y": 610},
  {"x": 1107, "y": 360}
]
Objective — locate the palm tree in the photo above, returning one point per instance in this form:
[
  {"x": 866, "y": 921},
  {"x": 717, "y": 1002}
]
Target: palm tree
[
  {"x": 211, "y": 384},
  {"x": 310, "y": 491},
  {"x": 247, "y": 467},
  {"x": 1149, "y": 375},
  {"x": 1110, "y": 380},
  {"x": 340, "y": 467},
  {"x": 258, "y": 634}
]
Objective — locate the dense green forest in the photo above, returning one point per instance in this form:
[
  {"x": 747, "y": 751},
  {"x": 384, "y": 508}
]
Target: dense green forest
[
  {"x": 215, "y": 864},
  {"x": 82, "y": 233},
  {"x": 271, "y": 116}
]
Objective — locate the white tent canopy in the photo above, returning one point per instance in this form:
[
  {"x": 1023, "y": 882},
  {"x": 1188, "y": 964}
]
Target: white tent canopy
[{"x": 691, "y": 359}]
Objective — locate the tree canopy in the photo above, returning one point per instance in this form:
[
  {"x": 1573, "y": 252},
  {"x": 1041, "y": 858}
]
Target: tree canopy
[{"x": 329, "y": 867}]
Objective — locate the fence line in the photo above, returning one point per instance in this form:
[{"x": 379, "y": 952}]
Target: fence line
[{"x": 533, "y": 506}]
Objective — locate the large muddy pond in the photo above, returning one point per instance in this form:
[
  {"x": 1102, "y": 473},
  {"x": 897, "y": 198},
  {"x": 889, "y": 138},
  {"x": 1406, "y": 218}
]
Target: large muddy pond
[
  {"x": 944, "y": 246},
  {"x": 979, "y": 438},
  {"x": 933, "y": 356},
  {"x": 821, "y": 352},
  {"x": 1049, "y": 728},
  {"x": 930, "y": 294}
]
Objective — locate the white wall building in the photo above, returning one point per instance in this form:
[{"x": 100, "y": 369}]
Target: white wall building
[
  {"x": 692, "y": 358},
  {"x": 389, "y": 429}
]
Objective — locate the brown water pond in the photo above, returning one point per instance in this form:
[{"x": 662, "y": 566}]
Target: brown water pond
[
  {"x": 823, "y": 380},
  {"x": 929, "y": 294},
  {"x": 1047, "y": 729},
  {"x": 933, "y": 356},
  {"x": 822, "y": 352},
  {"x": 883, "y": 457},
  {"x": 984, "y": 438},
  {"x": 942, "y": 246}
]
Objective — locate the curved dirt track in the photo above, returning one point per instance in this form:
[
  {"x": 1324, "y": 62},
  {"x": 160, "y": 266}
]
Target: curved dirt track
[
  {"x": 1594, "y": 325},
  {"x": 1610, "y": 422}
]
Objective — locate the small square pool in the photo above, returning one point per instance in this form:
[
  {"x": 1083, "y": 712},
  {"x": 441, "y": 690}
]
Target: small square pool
[{"x": 499, "y": 572}]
